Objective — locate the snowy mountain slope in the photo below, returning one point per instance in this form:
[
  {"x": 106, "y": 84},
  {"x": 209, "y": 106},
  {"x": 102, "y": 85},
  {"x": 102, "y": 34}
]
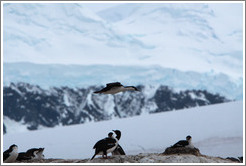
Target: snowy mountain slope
[
  {"x": 217, "y": 130},
  {"x": 185, "y": 33},
  {"x": 61, "y": 33},
  {"x": 35, "y": 108},
  {"x": 49, "y": 75},
  {"x": 188, "y": 37}
]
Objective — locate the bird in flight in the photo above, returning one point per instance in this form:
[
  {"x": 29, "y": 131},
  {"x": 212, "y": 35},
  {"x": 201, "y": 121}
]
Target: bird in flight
[{"x": 116, "y": 87}]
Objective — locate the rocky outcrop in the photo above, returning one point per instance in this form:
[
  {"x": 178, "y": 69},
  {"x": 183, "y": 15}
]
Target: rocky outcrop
[
  {"x": 143, "y": 158},
  {"x": 182, "y": 150}
]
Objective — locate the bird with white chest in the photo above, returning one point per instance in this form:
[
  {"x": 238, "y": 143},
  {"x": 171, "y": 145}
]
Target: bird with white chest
[
  {"x": 184, "y": 143},
  {"x": 10, "y": 154},
  {"x": 107, "y": 145},
  {"x": 31, "y": 154}
]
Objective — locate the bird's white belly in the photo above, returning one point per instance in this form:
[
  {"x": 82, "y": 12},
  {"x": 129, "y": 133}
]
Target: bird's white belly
[
  {"x": 109, "y": 150},
  {"x": 112, "y": 149},
  {"x": 12, "y": 157},
  {"x": 190, "y": 146},
  {"x": 38, "y": 156}
]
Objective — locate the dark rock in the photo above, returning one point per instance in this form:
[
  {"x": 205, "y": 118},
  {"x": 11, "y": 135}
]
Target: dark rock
[
  {"x": 182, "y": 150},
  {"x": 233, "y": 159},
  {"x": 4, "y": 129},
  {"x": 241, "y": 159}
]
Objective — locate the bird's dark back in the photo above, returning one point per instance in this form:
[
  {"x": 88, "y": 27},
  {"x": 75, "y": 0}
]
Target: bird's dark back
[
  {"x": 103, "y": 142},
  {"x": 23, "y": 156},
  {"x": 30, "y": 151},
  {"x": 181, "y": 143},
  {"x": 114, "y": 84}
]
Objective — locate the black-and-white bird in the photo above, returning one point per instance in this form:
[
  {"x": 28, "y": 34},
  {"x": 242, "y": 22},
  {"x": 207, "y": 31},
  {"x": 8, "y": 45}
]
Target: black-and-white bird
[
  {"x": 118, "y": 150},
  {"x": 184, "y": 143},
  {"x": 34, "y": 153},
  {"x": 116, "y": 87},
  {"x": 107, "y": 145},
  {"x": 11, "y": 154}
]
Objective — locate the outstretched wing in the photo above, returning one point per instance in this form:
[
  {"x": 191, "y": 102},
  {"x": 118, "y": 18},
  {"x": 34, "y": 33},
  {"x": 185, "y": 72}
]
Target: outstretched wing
[
  {"x": 114, "y": 84},
  {"x": 109, "y": 86}
]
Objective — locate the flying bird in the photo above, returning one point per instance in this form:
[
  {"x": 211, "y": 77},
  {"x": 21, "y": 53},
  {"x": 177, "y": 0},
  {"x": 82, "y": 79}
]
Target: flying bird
[{"x": 116, "y": 87}]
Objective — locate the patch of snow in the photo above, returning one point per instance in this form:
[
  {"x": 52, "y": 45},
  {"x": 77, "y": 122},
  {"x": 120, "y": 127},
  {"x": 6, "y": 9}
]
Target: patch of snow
[
  {"x": 66, "y": 99},
  {"x": 14, "y": 127}
]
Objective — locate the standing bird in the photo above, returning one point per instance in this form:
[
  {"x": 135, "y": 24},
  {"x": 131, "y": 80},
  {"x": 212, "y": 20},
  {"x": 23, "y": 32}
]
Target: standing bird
[
  {"x": 118, "y": 150},
  {"x": 184, "y": 143},
  {"x": 11, "y": 154},
  {"x": 107, "y": 145},
  {"x": 34, "y": 153},
  {"x": 116, "y": 87}
]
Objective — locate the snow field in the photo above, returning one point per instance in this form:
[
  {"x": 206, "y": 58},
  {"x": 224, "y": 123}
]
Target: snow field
[{"x": 217, "y": 130}]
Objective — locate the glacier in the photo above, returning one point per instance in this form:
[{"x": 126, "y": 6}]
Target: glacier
[
  {"x": 183, "y": 36},
  {"x": 182, "y": 45},
  {"x": 58, "y": 75}
]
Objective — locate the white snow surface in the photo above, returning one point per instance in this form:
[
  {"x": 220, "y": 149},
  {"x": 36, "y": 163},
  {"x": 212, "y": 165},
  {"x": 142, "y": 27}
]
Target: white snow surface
[{"x": 217, "y": 130}]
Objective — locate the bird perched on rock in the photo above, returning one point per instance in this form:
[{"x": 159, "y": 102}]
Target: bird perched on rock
[
  {"x": 116, "y": 87},
  {"x": 34, "y": 153},
  {"x": 118, "y": 150},
  {"x": 107, "y": 145},
  {"x": 10, "y": 154},
  {"x": 184, "y": 143}
]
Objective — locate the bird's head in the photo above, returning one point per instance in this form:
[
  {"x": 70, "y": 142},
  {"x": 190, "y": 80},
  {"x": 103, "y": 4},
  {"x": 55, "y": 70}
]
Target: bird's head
[
  {"x": 118, "y": 134},
  {"x": 188, "y": 138},
  {"x": 13, "y": 147},
  {"x": 110, "y": 134}
]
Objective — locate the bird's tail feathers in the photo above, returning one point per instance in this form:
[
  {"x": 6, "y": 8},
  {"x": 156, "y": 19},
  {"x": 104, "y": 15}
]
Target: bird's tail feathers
[{"x": 93, "y": 156}]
